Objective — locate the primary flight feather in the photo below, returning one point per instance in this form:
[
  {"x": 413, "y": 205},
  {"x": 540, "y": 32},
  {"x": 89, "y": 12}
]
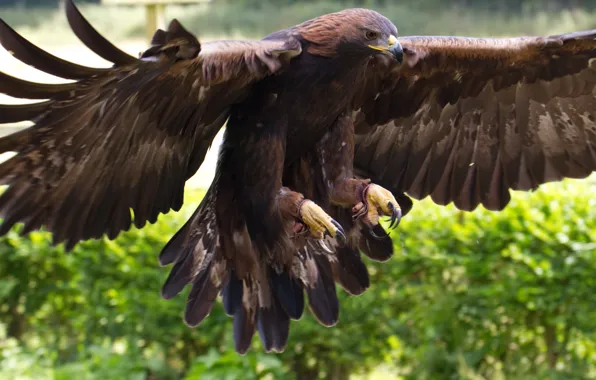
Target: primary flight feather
[{"x": 329, "y": 124}]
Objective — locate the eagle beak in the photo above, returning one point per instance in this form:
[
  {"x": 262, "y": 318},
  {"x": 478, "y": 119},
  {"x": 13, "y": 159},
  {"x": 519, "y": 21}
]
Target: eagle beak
[
  {"x": 396, "y": 49},
  {"x": 393, "y": 48}
]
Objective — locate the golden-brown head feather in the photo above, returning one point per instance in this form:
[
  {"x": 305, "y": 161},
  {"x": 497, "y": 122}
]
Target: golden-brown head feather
[{"x": 329, "y": 32}]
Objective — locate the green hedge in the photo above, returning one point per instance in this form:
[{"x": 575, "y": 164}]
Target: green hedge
[{"x": 476, "y": 295}]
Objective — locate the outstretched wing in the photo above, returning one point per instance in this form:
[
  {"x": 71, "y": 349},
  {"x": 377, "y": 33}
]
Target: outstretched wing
[
  {"x": 464, "y": 120},
  {"x": 120, "y": 138}
]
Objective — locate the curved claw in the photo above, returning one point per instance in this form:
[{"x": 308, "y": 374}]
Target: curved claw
[
  {"x": 340, "y": 234},
  {"x": 319, "y": 223},
  {"x": 395, "y": 215}
]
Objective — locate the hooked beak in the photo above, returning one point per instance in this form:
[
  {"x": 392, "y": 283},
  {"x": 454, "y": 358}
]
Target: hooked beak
[{"x": 393, "y": 48}]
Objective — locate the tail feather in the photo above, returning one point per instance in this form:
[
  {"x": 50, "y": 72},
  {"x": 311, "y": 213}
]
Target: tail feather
[
  {"x": 350, "y": 272},
  {"x": 255, "y": 307},
  {"x": 179, "y": 277},
  {"x": 347, "y": 267},
  {"x": 322, "y": 296},
  {"x": 178, "y": 246},
  {"x": 197, "y": 261},
  {"x": 232, "y": 294},
  {"x": 273, "y": 323},
  {"x": 266, "y": 296},
  {"x": 245, "y": 317},
  {"x": 288, "y": 291},
  {"x": 205, "y": 289}
]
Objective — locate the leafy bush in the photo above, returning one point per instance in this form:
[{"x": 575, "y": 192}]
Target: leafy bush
[
  {"x": 467, "y": 295},
  {"x": 507, "y": 294}
]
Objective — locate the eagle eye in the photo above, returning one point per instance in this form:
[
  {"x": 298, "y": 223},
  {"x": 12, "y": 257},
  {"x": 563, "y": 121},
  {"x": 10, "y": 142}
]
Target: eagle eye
[{"x": 370, "y": 35}]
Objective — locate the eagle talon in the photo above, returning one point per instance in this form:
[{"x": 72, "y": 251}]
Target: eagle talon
[
  {"x": 341, "y": 234},
  {"x": 395, "y": 215},
  {"x": 319, "y": 223},
  {"x": 376, "y": 202}
]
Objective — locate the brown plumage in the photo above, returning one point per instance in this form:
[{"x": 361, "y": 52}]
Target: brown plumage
[
  {"x": 464, "y": 120},
  {"x": 314, "y": 113}
]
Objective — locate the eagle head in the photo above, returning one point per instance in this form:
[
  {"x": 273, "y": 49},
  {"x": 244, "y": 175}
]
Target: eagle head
[{"x": 353, "y": 32}]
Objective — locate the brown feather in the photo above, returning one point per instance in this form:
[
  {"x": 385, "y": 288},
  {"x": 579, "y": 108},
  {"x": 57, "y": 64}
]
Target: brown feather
[
  {"x": 30, "y": 54},
  {"x": 466, "y": 119},
  {"x": 116, "y": 120},
  {"x": 92, "y": 39}
]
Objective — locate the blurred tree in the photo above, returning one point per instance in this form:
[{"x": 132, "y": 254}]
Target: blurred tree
[
  {"x": 502, "y": 5},
  {"x": 508, "y": 293}
]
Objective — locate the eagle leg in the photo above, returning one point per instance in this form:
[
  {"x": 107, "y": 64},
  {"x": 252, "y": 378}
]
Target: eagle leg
[
  {"x": 309, "y": 217},
  {"x": 376, "y": 201},
  {"x": 319, "y": 223},
  {"x": 368, "y": 201}
]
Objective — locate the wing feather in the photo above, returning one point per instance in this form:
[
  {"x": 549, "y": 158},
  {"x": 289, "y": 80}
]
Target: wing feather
[
  {"x": 18, "y": 112},
  {"x": 116, "y": 146},
  {"x": 92, "y": 39},
  {"x": 18, "y": 88},
  {"x": 465, "y": 120},
  {"x": 30, "y": 54}
]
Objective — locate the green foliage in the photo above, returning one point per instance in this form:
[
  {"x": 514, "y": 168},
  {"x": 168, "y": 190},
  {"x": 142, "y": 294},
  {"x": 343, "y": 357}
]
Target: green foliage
[
  {"x": 467, "y": 295},
  {"x": 507, "y": 294},
  {"x": 230, "y": 366}
]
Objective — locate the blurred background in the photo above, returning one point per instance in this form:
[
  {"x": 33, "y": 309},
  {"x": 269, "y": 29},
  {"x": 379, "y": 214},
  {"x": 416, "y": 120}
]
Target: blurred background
[{"x": 480, "y": 295}]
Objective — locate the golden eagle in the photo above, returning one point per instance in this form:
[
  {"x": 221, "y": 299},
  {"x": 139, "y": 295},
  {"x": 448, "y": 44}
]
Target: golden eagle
[{"x": 329, "y": 124}]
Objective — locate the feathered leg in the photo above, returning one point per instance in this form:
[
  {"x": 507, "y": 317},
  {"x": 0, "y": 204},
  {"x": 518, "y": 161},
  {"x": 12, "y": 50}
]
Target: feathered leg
[
  {"x": 368, "y": 201},
  {"x": 252, "y": 157},
  {"x": 309, "y": 217}
]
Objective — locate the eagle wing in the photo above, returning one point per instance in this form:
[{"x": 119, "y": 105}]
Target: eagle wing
[
  {"x": 465, "y": 120},
  {"x": 119, "y": 138}
]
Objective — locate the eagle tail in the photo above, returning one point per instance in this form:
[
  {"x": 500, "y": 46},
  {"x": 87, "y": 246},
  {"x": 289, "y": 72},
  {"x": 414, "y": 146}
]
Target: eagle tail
[
  {"x": 197, "y": 261},
  {"x": 322, "y": 295},
  {"x": 273, "y": 324},
  {"x": 349, "y": 271},
  {"x": 264, "y": 306},
  {"x": 268, "y": 305},
  {"x": 259, "y": 293}
]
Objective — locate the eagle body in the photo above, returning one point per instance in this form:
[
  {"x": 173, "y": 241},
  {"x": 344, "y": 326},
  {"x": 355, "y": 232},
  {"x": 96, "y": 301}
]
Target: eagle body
[
  {"x": 300, "y": 104},
  {"x": 330, "y": 125}
]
